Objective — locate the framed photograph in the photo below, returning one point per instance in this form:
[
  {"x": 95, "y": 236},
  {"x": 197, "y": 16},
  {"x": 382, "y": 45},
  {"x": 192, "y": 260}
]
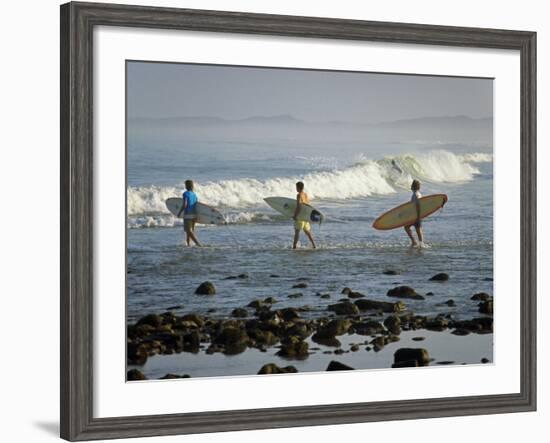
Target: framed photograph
[{"x": 273, "y": 221}]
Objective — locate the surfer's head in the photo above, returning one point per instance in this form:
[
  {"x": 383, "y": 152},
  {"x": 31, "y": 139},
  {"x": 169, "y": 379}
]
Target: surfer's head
[
  {"x": 300, "y": 186},
  {"x": 415, "y": 186},
  {"x": 189, "y": 185}
]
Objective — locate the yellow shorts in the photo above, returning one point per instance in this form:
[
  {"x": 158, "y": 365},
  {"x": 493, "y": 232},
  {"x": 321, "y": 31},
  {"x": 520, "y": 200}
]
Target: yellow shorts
[{"x": 300, "y": 225}]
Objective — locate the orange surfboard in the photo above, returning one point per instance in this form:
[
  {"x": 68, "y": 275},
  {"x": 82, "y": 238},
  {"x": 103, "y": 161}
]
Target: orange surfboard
[{"x": 405, "y": 214}]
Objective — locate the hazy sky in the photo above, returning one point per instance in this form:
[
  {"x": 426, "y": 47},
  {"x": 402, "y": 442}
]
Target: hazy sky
[{"x": 180, "y": 90}]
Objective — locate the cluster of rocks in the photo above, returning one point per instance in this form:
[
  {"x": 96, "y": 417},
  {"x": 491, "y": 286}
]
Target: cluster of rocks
[{"x": 258, "y": 325}]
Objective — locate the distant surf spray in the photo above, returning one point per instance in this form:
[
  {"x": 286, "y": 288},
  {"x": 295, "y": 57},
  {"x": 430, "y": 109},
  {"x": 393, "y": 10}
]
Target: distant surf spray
[{"x": 146, "y": 204}]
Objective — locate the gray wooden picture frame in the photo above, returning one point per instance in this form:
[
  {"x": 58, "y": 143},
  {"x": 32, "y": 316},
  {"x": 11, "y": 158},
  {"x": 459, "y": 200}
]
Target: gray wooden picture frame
[{"x": 77, "y": 24}]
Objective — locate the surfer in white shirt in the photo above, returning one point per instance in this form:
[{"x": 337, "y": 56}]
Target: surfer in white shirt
[{"x": 415, "y": 198}]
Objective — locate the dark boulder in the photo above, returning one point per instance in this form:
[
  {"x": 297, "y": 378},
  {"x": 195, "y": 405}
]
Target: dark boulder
[
  {"x": 296, "y": 295},
  {"x": 239, "y": 313},
  {"x": 206, "y": 288},
  {"x": 337, "y": 366},
  {"x": 272, "y": 368},
  {"x": 486, "y": 307},
  {"x": 378, "y": 343},
  {"x": 294, "y": 347},
  {"x": 231, "y": 336},
  {"x": 344, "y": 308},
  {"x": 288, "y": 314},
  {"x": 333, "y": 328},
  {"x": 257, "y": 304},
  {"x": 300, "y": 286},
  {"x": 405, "y": 364},
  {"x": 393, "y": 324},
  {"x": 191, "y": 342},
  {"x": 174, "y": 376},
  {"x": 374, "y": 305},
  {"x": 481, "y": 296},
  {"x": 298, "y": 329},
  {"x": 331, "y": 342},
  {"x": 136, "y": 354},
  {"x": 262, "y": 337},
  {"x": 195, "y": 318},
  {"x": 404, "y": 292},
  {"x": 153, "y": 320},
  {"x": 368, "y": 328},
  {"x": 439, "y": 323},
  {"x": 407, "y": 354},
  {"x": 440, "y": 277},
  {"x": 482, "y": 325},
  {"x": 135, "y": 375}
]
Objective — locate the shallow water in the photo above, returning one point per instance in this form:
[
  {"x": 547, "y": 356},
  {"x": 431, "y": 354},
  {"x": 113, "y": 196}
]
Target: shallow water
[
  {"x": 444, "y": 348},
  {"x": 351, "y": 189}
]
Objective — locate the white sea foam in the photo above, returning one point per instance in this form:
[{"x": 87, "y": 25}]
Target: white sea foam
[
  {"x": 239, "y": 197},
  {"x": 477, "y": 157}
]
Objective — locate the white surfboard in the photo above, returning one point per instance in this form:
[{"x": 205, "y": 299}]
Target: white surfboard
[
  {"x": 287, "y": 206},
  {"x": 206, "y": 215}
]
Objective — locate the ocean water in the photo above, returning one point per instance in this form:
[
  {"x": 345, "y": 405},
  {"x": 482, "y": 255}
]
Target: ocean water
[{"x": 350, "y": 183}]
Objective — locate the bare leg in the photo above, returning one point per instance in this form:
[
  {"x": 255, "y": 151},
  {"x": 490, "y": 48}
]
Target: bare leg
[
  {"x": 410, "y": 234},
  {"x": 308, "y": 233},
  {"x": 193, "y": 236},
  {"x": 296, "y": 238},
  {"x": 420, "y": 234}
]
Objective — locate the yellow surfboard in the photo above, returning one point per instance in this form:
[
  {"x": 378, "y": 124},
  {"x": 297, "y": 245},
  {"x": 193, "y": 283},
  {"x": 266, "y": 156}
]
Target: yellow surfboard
[{"x": 405, "y": 214}]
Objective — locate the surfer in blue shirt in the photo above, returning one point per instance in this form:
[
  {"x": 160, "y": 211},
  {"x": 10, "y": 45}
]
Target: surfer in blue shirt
[
  {"x": 189, "y": 209},
  {"x": 415, "y": 198}
]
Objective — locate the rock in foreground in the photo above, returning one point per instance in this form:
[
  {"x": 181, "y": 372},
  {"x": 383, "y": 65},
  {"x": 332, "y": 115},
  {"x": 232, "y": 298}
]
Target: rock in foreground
[
  {"x": 135, "y": 375},
  {"x": 272, "y": 368},
  {"x": 420, "y": 355},
  {"x": 337, "y": 366}
]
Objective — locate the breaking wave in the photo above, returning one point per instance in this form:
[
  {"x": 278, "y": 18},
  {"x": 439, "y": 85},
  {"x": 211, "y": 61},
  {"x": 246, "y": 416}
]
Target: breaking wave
[{"x": 240, "y": 197}]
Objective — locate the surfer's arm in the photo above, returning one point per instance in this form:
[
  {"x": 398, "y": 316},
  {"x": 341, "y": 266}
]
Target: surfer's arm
[{"x": 183, "y": 207}]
